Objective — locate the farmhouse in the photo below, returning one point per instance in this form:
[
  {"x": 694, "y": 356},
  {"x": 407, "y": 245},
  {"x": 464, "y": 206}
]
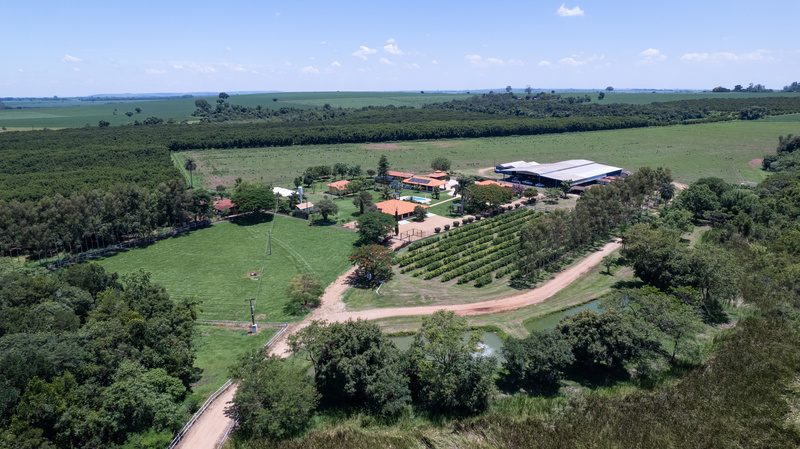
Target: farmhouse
[
  {"x": 398, "y": 208},
  {"x": 223, "y": 205},
  {"x": 577, "y": 171},
  {"x": 424, "y": 183},
  {"x": 398, "y": 174},
  {"x": 338, "y": 187}
]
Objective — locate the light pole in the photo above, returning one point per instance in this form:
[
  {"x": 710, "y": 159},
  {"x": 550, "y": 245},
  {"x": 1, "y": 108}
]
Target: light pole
[{"x": 254, "y": 327}]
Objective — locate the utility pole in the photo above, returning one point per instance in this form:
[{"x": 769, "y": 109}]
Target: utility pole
[{"x": 254, "y": 328}]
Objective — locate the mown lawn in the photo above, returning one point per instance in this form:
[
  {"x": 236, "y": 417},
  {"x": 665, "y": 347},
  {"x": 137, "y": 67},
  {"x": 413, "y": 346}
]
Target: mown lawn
[
  {"x": 218, "y": 348},
  {"x": 213, "y": 265}
]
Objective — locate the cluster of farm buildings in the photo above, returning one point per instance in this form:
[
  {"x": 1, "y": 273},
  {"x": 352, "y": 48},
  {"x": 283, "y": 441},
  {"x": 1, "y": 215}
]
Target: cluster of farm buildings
[{"x": 580, "y": 173}]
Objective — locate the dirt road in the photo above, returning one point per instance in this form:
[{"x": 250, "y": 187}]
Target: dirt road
[{"x": 209, "y": 429}]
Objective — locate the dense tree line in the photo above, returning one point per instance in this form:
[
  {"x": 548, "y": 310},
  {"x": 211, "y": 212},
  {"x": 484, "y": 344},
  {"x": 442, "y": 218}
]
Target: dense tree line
[
  {"x": 95, "y": 218},
  {"x": 89, "y": 359}
]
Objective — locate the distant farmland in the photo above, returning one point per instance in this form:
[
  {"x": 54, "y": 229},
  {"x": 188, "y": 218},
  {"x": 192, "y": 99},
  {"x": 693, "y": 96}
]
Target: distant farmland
[{"x": 694, "y": 151}]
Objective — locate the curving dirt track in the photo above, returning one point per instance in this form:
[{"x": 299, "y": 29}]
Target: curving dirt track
[{"x": 208, "y": 430}]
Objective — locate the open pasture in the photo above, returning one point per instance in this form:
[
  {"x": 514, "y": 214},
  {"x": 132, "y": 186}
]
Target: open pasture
[
  {"x": 214, "y": 265},
  {"x": 72, "y": 113},
  {"x": 78, "y": 115},
  {"x": 692, "y": 151}
]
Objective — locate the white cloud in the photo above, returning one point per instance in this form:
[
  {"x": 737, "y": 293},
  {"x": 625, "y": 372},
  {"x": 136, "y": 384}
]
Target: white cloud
[
  {"x": 228, "y": 48},
  {"x": 391, "y": 40},
  {"x": 385, "y": 61},
  {"x": 239, "y": 69},
  {"x": 651, "y": 56},
  {"x": 323, "y": 43},
  {"x": 205, "y": 70},
  {"x": 277, "y": 14},
  {"x": 20, "y": 70},
  {"x": 758, "y": 55},
  {"x": 434, "y": 62},
  {"x": 573, "y": 62},
  {"x": 76, "y": 69},
  {"x": 363, "y": 51},
  {"x": 177, "y": 66},
  {"x": 412, "y": 66},
  {"x": 70, "y": 58},
  {"x": 309, "y": 69},
  {"x": 155, "y": 72},
  {"x": 479, "y": 61},
  {"x": 544, "y": 64},
  {"x": 563, "y": 11},
  {"x": 336, "y": 64},
  {"x": 515, "y": 62},
  {"x": 392, "y": 48}
]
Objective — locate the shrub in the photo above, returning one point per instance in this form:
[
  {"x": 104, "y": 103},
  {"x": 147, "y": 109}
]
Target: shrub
[
  {"x": 456, "y": 223},
  {"x": 483, "y": 280},
  {"x": 465, "y": 220},
  {"x": 437, "y": 229},
  {"x": 447, "y": 227},
  {"x": 516, "y": 206}
]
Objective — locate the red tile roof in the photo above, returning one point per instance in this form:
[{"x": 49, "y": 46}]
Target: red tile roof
[
  {"x": 223, "y": 204},
  {"x": 398, "y": 174},
  {"x": 339, "y": 184},
  {"x": 430, "y": 181},
  {"x": 402, "y": 207},
  {"x": 488, "y": 182},
  {"x": 437, "y": 174}
]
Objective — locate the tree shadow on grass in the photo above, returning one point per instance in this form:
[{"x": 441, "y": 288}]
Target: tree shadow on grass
[
  {"x": 623, "y": 285},
  {"x": 252, "y": 219}
]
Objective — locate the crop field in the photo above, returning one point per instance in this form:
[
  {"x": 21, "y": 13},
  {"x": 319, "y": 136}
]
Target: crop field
[
  {"x": 652, "y": 97},
  {"x": 723, "y": 149},
  {"x": 72, "y": 113},
  {"x": 214, "y": 265}
]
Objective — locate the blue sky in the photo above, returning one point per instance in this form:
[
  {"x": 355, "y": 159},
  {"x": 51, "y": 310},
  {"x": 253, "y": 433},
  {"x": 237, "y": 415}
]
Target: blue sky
[{"x": 73, "y": 48}]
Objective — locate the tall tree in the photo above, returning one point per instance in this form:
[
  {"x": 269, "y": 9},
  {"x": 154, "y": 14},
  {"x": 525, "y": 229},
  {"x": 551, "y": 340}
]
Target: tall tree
[
  {"x": 274, "y": 398},
  {"x": 383, "y": 166},
  {"x": 190, "y": 166},
  {"x": 451, "y": 376},
  {"x": 326, "y": 207},
  {"x": 374, "y": 226},
  {"x": 355, "y": 364},
  {"x": 305, "y": 289},
  {"x": 373, "y": 262},
  {"x": 441, "y": 163}
]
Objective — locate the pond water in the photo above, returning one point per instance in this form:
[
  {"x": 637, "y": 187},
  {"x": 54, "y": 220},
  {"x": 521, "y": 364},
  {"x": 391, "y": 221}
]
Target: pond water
[
  {"x": 550, "y": 321},
  {"x": 491, "y": 342},
  {"x": 491, "y": 345}
]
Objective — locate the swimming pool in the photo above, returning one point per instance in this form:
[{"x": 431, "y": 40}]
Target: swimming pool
[{"x": 417, "y": 199}]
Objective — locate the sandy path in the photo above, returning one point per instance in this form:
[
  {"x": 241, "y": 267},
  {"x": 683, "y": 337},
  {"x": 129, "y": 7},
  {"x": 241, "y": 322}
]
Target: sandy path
[{"x": 209, "y": 429}]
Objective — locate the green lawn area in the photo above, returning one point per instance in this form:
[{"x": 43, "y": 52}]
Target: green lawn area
[
  {"x": 218, "y": 348},
  {"x": 213, "y": 264},
  {"x": 691, "y": 151}
]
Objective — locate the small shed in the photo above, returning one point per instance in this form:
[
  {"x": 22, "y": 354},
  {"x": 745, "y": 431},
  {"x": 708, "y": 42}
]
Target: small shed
[
  {"x": 305, "y": 207},
  {"x": 223, "y": 205},
  {"x": 438, "y": 174},
  {"x": 338, "y": 187}
]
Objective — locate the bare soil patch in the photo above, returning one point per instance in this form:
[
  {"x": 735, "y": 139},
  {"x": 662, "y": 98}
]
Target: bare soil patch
[
  {"x": 384, "y": 146},
  {"x": 755, "y": 164},
  {"x": 444, "y": 144}
]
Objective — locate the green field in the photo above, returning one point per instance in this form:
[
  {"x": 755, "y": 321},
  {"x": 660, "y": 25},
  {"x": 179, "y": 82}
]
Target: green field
[
  {"x": 218, "y": 348},
  {"x": 213, "y": 264},
  {"x": 72, "y": 113},
  {"x": 692, "y": 151}
]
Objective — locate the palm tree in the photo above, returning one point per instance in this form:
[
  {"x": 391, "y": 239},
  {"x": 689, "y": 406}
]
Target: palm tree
[
  {"x": 462, "y": 188},
  {"x": 667, "y": 191},
  {"x": 190, "y": 166}
]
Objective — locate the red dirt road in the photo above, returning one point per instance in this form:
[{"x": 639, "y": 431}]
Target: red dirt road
[{"x": 209, "y": 429}]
